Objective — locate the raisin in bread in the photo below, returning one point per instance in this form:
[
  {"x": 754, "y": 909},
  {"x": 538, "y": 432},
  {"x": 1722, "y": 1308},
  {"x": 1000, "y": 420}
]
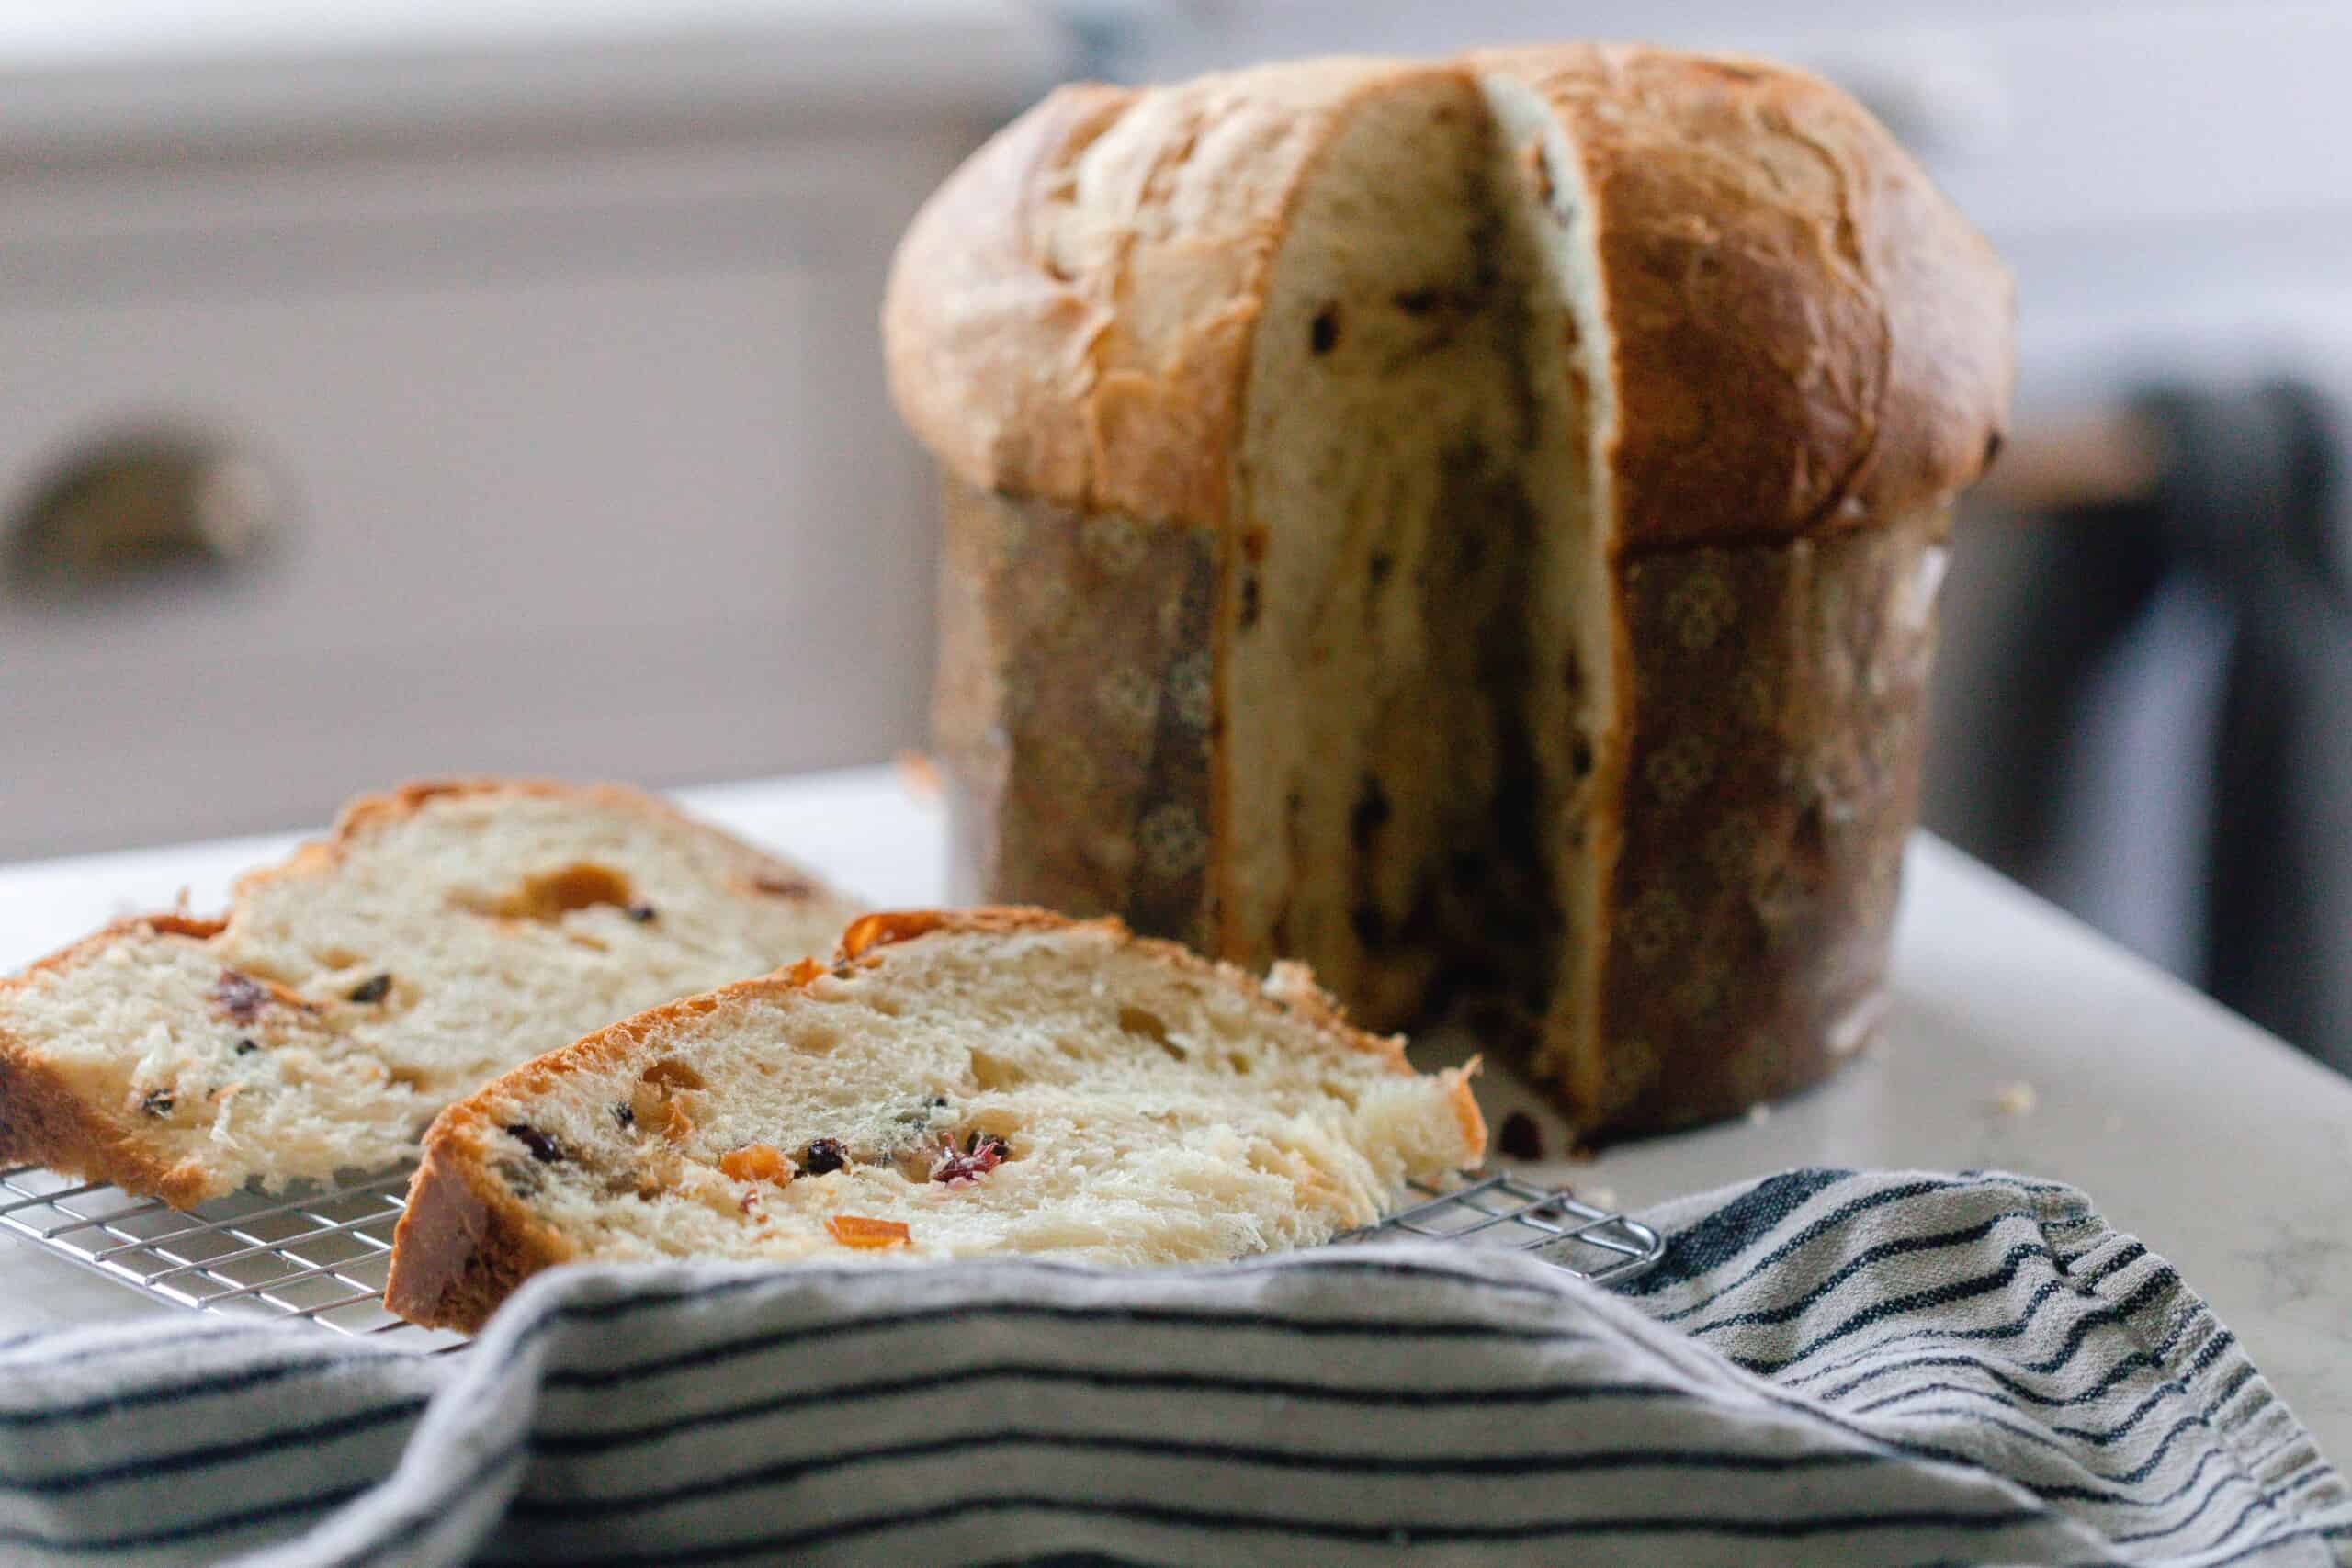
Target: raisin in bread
[
  {"x": 1472, "y": 523},
  {"x": 983, "y": 1081},
  {"x": 442, "y": 934}
]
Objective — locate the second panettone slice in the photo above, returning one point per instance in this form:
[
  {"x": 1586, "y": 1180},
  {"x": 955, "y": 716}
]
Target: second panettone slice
[{"x": 987, "y": 1081}]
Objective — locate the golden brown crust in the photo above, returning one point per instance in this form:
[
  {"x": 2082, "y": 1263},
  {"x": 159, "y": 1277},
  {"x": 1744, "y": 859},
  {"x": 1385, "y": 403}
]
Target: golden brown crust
[
  {"x": 1068, "y": 317},
  {"x": 44, "y": 1121},
  {"x": 463, "y": 1245},
  {"x": 1807, "y": 336}
]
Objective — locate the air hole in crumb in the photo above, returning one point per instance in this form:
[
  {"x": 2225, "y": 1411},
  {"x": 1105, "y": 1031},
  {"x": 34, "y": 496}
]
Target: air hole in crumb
[
  {"x": 339, "y": 958},
  {"x": 671, "y": 1073},
  {"x": 817, "y": 1040},
  {"x": 1149, "y": 1026},
  {"x": 407, "y": 1077},
  {"x": 1345, "y": 1093},
  {"x": 991, "y": 1071},
  {"x": 1239, "y": 1063}
]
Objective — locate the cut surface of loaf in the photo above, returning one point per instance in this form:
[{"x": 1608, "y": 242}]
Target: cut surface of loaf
[
  {"x": 442, "y": 934},
  {"x": 956, "y": 1084},
  {"x": 1470, "y": 525}
]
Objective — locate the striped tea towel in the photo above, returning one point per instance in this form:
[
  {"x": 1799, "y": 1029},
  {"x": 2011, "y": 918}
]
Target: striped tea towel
[{"x": 1827, "y": 1367}]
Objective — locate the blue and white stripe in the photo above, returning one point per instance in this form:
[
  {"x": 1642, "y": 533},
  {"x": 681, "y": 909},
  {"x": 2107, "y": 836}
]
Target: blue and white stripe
[{"x": 1826, "y": 1367}]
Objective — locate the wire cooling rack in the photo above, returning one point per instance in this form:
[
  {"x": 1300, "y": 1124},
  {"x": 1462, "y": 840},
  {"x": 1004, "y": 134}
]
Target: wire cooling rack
[
  {"x": 1505, "y": 1212},
  {"x": 322, "y": 1258}
]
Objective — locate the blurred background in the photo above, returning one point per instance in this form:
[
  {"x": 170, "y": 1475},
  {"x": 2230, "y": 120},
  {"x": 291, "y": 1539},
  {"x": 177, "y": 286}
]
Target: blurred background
[{"x": 493, "y": 385}]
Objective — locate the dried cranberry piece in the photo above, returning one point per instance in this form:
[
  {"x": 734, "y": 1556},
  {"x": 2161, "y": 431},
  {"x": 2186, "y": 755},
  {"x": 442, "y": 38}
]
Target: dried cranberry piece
[
  {"x": 240, "y": 996},
  {"x": 983, "y": 1152},
  {"x": 823, "y": 1156}
]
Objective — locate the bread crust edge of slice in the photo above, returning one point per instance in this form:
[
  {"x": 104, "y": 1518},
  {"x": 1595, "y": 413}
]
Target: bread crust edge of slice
[
  {"x": 45, "y": 1121},
  {"x": 461, "y": 1247}
]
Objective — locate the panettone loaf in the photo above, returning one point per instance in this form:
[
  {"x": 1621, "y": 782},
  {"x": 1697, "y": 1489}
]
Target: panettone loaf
[
  {"x": 982, "y": 1081},
  {"x": 442, "y": 934},
  {"x": 1464, "y": 524}
]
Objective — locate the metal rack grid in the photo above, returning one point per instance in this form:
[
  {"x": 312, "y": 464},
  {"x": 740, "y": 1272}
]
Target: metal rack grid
[
  {"x": 320, "y": 1257},
  {"x": 323, "y": 1258},
  {"x": 1503, "y": 1212}
]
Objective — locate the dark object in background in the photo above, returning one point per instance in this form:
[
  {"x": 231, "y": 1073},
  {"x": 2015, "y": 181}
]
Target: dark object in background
[
  {"x": 138, "y": 502},
  {"x": 2174, "y": 743}
]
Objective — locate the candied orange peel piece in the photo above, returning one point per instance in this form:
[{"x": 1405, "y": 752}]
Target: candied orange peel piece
[
  {"x": 855, "y": 1230},
  {"x": 756, "y": 1162}
]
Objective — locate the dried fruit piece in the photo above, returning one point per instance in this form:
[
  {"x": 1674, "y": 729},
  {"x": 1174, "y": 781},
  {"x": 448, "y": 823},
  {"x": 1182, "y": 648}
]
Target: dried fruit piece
[
  {"x": 823, "y": 1156},
  {"x": 658, "y": 1110},
  {"x": 240, "y": 996},
  {"x": 756, "y": 1162},
  {"x": 982, "y": 1153},
  {"x": 544, "y": 1149},
  {"x": 642, "y": 913},
  {"x": 855, "y": 1230},
  {"x": 373, "y": 989}
]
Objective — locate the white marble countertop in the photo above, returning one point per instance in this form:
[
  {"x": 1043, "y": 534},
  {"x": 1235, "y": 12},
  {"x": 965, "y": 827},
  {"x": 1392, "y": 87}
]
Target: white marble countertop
[{"x": 2017, "y": 1039}]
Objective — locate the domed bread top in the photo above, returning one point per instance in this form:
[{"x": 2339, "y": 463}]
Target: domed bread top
[{"x": 1805, "y": 334}]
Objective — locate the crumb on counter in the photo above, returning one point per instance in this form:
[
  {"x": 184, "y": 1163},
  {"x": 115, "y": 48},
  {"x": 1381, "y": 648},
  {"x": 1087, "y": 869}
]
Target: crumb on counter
[
  {"x": 1758, "y": 1114},
  {"x": 2015, "y": 1098},
  {"x": 918, "y": 773}
]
